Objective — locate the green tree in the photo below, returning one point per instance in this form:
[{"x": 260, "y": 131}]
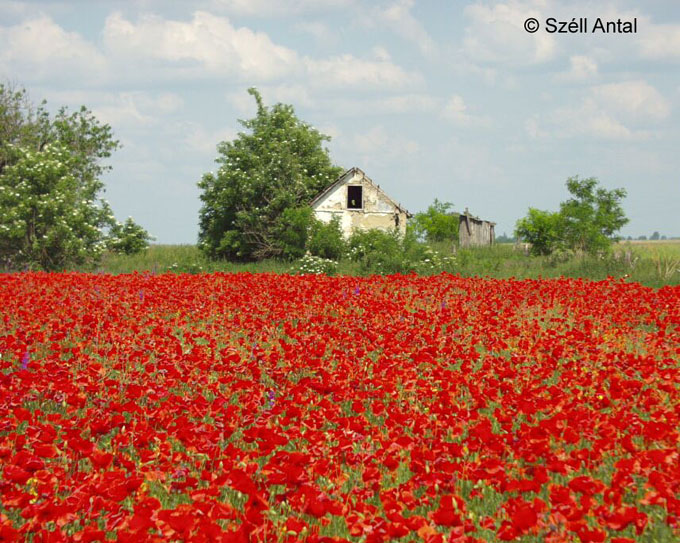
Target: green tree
[
  {"x": 51, "y": 213},
  {"x": 655, "y": 236},
  {"x": 592, "y": 216},
  {"x": 540, "y": 229},
  {"x": 278, "y": 163},
  {"x": 437, "y": 223},
  {"x": 586, "y": 222},
  {"x": 128, "y": 238}
]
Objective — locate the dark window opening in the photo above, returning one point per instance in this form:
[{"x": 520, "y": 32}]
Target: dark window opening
[
  {"x": 396, "y": 220},
  {"x": 354, "y": 197}
]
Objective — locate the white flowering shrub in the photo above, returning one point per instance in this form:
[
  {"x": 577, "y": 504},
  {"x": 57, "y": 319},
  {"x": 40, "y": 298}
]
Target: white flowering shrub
[
  {"x": 128, "y": 238},
  {"x": 314, "y": 265},
  {"x": 434, "y": 262},
  {"x": 48, "y": 219},
  {"x": 51, "y": 213}
]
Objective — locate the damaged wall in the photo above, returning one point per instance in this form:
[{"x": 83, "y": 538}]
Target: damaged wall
[{"x": 375, "y": 210}]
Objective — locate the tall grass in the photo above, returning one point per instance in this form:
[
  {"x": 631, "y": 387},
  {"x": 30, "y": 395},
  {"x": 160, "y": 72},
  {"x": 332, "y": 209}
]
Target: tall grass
[
  {"x": 652, "y": 264},
  {"x": 182, "y": 259},
  {"x": 649, "y": 265}
]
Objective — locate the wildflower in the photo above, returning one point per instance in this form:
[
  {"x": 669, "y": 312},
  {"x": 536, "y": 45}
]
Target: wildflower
[{"x": 25, "y": 360}]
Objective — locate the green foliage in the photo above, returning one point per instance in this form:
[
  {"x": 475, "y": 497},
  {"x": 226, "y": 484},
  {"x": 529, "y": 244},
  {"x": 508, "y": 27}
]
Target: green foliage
[
  {"x": 585, "y": 223},
  {"x": 592, "y": 216},
  {"x": 326, "y": 240},
  {"x": 378, "y": 252},
  {"x": 128, "y": 238},
  {"x": 433, "y": 261},
  {"x": 381, "y": 252},
  {"x": 278, "y": 164},
  {"x": 298, "y": 232},
  {"x": 540, "y": 229},
  {"x": 51, "y": 215},
  {"x": 437, "y": 223},
  {"x": 292, "y": 231}
]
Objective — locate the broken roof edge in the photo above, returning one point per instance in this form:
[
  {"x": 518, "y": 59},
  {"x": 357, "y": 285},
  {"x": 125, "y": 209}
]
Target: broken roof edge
[
  {"x": 470, "y": 216},
  {"x": 355, "y": 170}
]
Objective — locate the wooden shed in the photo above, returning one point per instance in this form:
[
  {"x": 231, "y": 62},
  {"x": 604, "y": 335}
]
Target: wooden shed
[{"x": 475, "y": 232}]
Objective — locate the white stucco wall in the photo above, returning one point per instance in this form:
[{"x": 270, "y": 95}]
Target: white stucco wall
[{"x": 377, "y": 212}]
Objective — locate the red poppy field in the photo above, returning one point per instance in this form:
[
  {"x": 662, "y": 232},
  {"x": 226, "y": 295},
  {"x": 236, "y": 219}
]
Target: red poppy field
[{"x": 281, "y": 408}]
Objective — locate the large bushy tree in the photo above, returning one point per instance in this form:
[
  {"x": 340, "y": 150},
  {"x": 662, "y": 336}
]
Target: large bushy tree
[
  {"x": 276, "y": 165},
  {"x": 51, "y": 213},
  {"x": 587, "y": 222}
]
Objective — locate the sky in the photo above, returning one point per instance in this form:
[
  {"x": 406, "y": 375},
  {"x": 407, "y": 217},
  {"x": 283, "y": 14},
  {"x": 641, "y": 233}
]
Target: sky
[{"x": 452, "y": 100}]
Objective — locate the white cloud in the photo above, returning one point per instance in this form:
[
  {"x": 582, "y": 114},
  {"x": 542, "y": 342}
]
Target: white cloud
[
  {"x": 203, "y": 140},
  {"x": 317, "y": 29},
  {"x": 660, "y": 42},
  {"x": 349, "y": 71},
  {"x": 398, "y": 17},
  {"x": 10, "y": 8},
  {"x": 331, "y": 130},
  {"x": 168, "y": 102},
  {"x": 589, "y": 120},
  {"x": 207, "y": 43},
  {"x": 409, "y": 103},
  {"x": 581, "y": 68},
  {"x": 380, "y": 53},
  {"x": 287, "y": 93},
  {"x": 129, "y": 109},
  {"x": 391, "y": 105},
  {"x": 211, "y": 45},
  {"x": 636, "y": 100},
  {"x": 380, "y": 144},
  {"x": 39, "y": 49},
  {"x": 604, "y": 126},
  {"x": 496, "y": 35},
  {"x": 532, "y": 127},
  {"x": 456, "y": 110},
  {"x": 137, "y": 108},
  {"x": 625, "y": 111},
  {"x": 123, "y": 112},
  {"x": 277, "y": 8}
]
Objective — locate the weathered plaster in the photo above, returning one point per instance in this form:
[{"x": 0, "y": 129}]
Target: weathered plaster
[{"x": 378, "y": 210}]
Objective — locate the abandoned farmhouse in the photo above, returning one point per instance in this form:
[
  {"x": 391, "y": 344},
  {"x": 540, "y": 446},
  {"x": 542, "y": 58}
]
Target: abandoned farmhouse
[{"x": 360, "y": 204}]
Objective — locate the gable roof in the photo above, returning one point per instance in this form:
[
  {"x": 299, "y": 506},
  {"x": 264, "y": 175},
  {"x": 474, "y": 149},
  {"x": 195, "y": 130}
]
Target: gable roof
[{"x": 343, "y": 179}]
